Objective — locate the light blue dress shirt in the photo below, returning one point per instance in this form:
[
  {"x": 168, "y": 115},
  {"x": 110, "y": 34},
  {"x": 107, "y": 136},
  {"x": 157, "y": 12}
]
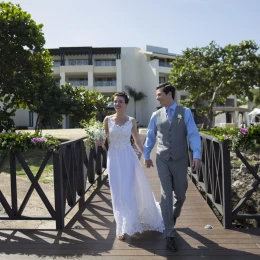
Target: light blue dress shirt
[{"x": 192, "y": 132}]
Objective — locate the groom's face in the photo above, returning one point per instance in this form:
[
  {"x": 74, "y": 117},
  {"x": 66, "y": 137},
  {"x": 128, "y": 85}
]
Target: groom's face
[{"x": 162, "y": 98}]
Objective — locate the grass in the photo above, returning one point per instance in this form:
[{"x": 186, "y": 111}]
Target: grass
[{"x": 35, "y": 157}]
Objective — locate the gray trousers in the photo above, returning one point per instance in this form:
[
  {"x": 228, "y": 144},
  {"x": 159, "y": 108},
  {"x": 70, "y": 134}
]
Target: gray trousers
[{"x": 173, "y": 177}]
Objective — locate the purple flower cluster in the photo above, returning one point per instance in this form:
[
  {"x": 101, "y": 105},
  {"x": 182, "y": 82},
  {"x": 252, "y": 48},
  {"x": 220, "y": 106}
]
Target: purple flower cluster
[
  {"x": 244, "y": 131},
  {"x": 3, "y": 131},
  {"x": 36, "y": 140}
]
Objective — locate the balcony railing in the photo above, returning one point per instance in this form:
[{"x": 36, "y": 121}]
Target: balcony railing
[
  {"x": 164, "y": 64},
  {"x": 224, "y": 105},
  {"x": 105, "y": 83},
  {"x": 105, "y": 63},
  {"x": 77, "y": 63},
  {"x": 56, "y": 64},
  {"x": 78, "y": 83},
  {"x": 84, "y": 63}
]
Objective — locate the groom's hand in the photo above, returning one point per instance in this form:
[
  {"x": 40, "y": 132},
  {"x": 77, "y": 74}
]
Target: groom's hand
[
  {"x": 148, "y": 163},
  {"x": 195, "y": 164}
]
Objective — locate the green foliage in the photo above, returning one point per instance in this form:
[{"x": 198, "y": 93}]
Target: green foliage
[
  {"x": 137, "y": 96},
  {"x": 95, "y": 131},
  {"x": 6, "y": 122},
  {"x": 49, "y": 104},
  {"x": 240, "y": 138},
  {"x": 83, "y": 104},
  {"x": 53, "y": 101},
  {"x": 22, "y": 141},
  {"x": 25, "y": 66},
  {"x": 212, "y": 73},
  {"x": 256, "y": 97}
]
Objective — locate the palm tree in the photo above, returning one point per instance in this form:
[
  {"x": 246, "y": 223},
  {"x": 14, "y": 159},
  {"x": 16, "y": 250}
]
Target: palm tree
[{"x": 137, "y": 96}]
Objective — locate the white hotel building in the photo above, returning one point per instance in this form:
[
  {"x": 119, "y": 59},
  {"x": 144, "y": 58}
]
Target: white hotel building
[{"x": 109, "y": 70}]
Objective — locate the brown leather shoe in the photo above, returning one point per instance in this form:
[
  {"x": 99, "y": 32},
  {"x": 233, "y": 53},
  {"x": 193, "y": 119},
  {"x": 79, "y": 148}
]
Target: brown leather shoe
[{"x": 171, "y": 244}]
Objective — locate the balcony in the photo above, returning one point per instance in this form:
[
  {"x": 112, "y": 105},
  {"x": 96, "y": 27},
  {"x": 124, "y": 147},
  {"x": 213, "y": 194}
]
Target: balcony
[
  {"x": 104, "y": 83},
  {"x": 76, "y": 66},
  {"x": 56, "y": 64},
  {"x": 105, "y": 63},
  {"x": 164, "y": 64},
  {"x": 77, "y": 63},
  {"x": 78, "y": 83},
  {"x": 104, "y": 66},
  {"x": 105, "y": 86}
]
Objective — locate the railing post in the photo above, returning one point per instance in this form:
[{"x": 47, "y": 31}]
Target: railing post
[
  {"x": 91, "y": 165},
  {"x": 58, "y": 191},
  {"x": 13, "y": 183},
  {"x": 226, "y": 185}
]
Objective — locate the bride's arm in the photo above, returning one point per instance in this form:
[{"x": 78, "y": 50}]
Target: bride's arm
[
  {"x": 105, "y": 122},
  {"x": 136, "y": 137}
]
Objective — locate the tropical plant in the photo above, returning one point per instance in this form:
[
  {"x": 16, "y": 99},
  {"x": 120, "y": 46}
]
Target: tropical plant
[{"x": 137, "y": 96}]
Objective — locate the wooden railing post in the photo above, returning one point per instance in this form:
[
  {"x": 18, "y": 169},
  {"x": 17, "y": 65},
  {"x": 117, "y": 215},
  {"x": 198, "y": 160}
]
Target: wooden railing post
[
  {"x": 58, "y": 191},
  {"x": 13, "y": 183},
  {"x": 226, "y": 185}
]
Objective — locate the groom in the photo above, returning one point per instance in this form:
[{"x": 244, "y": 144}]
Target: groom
[{"x": 173, "y": 125}]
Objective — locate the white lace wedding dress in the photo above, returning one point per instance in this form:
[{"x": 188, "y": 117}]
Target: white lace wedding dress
[{"x": 134, "y": 205}]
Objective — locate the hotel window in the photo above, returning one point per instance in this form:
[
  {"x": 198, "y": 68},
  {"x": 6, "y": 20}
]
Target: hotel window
[{"x": 162, "y": 79}]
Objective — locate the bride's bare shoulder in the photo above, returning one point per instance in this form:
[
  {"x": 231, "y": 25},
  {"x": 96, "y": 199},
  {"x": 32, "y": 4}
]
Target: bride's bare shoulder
[{"x": 132, "y": 119}]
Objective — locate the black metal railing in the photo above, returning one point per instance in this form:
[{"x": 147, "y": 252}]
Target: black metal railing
[
  {"x": 214, "y": 179},
  {"x": 75, "y": 170}
]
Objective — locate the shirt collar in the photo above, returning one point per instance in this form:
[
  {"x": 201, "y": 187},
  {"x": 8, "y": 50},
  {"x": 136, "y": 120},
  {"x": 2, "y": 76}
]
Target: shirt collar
[{"x": 173, "y": 106}]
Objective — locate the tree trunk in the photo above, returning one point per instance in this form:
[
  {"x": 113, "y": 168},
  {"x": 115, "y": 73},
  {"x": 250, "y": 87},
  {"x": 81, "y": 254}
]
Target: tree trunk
[
  {"x": 135, "y": 109},
  {"x": 38, "y": 125}
]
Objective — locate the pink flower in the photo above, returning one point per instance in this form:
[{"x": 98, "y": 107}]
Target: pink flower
[
  {"x": 3, "y": 131},
  {"x": 244, "y": 131},
  {"x": 38, "y": 140}
]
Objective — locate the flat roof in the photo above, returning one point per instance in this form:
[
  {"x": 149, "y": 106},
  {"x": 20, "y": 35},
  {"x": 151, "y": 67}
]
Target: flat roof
[{"x": 84, "y": 50}]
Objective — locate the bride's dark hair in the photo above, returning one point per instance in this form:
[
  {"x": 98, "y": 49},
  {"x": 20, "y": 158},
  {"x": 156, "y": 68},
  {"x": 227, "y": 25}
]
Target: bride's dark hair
[{"x": 122, "y": 94}]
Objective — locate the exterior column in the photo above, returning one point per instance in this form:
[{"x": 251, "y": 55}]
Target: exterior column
[
  {"x": 118, "y": 76},
  {"x": 90, "y": 80},
  {"x": 64, "y": 122},
  {"x": 62, "y": 78},
  {"x": 62, "y": 82}
]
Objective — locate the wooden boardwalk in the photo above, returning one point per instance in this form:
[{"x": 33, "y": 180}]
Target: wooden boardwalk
[{"x": 91, "y": 235}]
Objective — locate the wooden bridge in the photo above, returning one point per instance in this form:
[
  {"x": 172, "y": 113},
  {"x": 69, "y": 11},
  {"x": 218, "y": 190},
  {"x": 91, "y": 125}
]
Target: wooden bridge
[{"x": 91, "y": 234}]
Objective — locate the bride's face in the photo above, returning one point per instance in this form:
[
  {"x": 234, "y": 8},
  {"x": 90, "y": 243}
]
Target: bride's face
[{"x": 119, "y": 103}]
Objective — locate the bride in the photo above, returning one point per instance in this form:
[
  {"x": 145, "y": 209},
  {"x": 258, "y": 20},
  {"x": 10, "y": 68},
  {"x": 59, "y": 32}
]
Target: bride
[{"x": 134, "y": 205}]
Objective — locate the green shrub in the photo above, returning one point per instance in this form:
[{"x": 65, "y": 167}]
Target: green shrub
[
  {"x": 240, "y": 138},
  {"x": 22, "y": 141}
]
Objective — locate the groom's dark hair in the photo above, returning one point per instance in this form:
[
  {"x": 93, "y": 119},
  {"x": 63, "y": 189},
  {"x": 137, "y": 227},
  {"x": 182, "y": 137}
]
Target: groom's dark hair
[
  {"x": 166, "y": 88},
  {"x": 122, "y": 94}
]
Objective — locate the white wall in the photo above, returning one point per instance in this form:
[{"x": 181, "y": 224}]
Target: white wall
[{"x": 21, "y": 117}]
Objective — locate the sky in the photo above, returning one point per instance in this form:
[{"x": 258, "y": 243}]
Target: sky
[{"x": 172, "y": 24}]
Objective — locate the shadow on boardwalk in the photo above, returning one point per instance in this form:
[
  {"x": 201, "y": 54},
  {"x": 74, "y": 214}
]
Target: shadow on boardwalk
[
  {"x": 96, "y": 239},
  {"x": 91, "y": 234}
]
